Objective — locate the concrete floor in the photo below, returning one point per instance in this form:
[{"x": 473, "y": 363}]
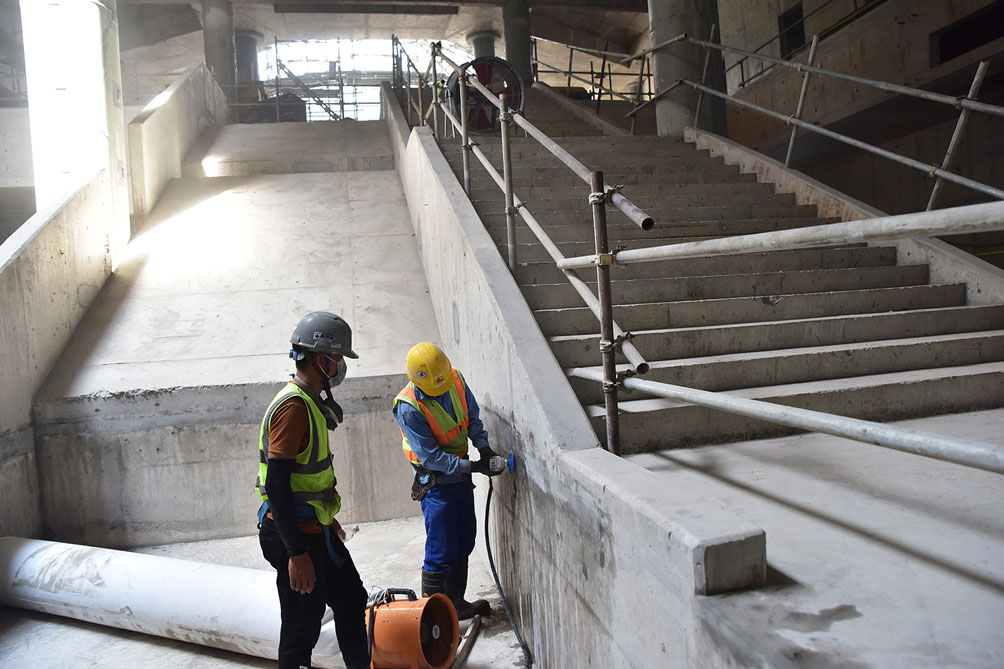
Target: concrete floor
[
  {"x": 210, "y": 289},
  {"x": 387, "y": 554},
  {"x": 876, "y": 558},
  {"x": 207, "y": 294}
]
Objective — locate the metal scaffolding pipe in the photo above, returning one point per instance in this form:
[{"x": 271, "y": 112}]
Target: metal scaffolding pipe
[
  {"x": 952, "y": 101},
  {"x": 801, "y": 100},
  {"x": 969, "y": 453},
  {"x": 632, "y": 211},
  {"x": 232, "y": 608},
  {"x": 631, "y": 353},
  {"x": 932, "y": 170},
  {"x": 960, "y": 126},
  {"x": 957, "y": 220}
]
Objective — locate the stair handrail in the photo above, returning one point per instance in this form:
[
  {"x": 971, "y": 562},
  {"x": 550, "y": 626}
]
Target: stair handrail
[
  {"x": 601, "y": 89},
  {"x": 628, "y": 208},
  {"x": 985, "y": 217},
  {"x": 634, "y": 357},
  {"x": 988, "y": 457}
]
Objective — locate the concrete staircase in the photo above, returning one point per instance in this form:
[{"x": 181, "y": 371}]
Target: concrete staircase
[{"x": 844, "y": 330}]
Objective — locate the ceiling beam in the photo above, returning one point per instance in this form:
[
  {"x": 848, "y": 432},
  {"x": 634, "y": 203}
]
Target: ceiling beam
[
  {"x": 361, "y": 8},
  {"x": 550, "y": 29}
]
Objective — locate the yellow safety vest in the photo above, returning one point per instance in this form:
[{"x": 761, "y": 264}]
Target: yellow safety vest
[{"x": 313, "y": 479}]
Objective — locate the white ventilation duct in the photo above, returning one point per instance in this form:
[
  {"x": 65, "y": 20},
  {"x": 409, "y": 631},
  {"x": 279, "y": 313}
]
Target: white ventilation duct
[{"x": 232, "y": 608}]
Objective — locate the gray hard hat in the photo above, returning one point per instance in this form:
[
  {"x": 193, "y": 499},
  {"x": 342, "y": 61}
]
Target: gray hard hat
[{"x": 323, "y": 332}]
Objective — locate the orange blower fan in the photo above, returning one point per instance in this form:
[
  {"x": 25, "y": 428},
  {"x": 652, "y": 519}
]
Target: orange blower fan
[{"x": 411, "y": 633}]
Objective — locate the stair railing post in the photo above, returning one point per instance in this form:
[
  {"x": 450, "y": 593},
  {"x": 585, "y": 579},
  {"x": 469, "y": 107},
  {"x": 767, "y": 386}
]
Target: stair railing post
[
  {"x": 464, "y": 138},
  {"x": 960, "y": 125},
  {"x": 409, "y": 93},
  {"x": 421, "y": 102},
  {"x": 505, "y": 116},
  {"x": 597, "y": 199},
  {"x": 801, "y": 100},
  {"x": 435, "y": 95},
  {"x": 704, "y": 75}
]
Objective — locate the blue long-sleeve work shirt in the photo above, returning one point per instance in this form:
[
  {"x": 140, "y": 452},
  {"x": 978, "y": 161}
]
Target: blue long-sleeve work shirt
[{"x": 450, "y": 468}]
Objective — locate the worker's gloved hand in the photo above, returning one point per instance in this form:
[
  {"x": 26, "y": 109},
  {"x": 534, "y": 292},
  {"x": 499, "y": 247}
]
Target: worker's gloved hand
[
  {"x": 486, "y": 453},
  {"x": 482, "y": 466}
]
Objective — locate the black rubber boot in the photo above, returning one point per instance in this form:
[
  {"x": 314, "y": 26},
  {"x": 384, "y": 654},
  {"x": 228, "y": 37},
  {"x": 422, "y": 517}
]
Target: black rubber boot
[
  {"x": 433, "y": 582},
  {"x": 456, "y": 586}
]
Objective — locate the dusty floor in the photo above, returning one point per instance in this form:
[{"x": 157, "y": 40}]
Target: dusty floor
[{"x": 388, "y": 554}]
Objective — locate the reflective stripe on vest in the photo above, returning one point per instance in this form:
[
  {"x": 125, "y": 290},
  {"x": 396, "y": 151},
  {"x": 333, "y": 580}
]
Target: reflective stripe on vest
[
  {"x": 452, "y": 439},
  {"x": 313, "y": 478}
]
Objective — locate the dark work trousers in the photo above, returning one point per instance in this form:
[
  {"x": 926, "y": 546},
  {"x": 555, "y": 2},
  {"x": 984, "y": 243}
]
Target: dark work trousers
[
  {"x": 338, "y": 587},
  {"x": 450, "y": 524}
]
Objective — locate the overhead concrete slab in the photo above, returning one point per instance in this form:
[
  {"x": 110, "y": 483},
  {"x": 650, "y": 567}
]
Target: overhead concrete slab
[{"x": 877, "y": 558}]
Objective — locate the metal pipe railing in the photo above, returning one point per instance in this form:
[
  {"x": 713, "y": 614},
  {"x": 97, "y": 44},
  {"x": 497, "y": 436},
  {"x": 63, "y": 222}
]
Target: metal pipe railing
[
  {"x": 957, "y": 102},
  {"x": 970, "y": 453},
  {"x": 505, "y": 118},
  {"x": 932, "y": 170},
  {"x": 955, "y": 221},
  {"x": 628, "y": 208},
  {"x": 801, "y": 100},
  {"x": 630, "y": 352},
  {"x": 607, "y": 351},
  {"x": 960, "y": 125}
]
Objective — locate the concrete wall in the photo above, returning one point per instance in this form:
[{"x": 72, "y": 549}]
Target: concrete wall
[
  {"x": 51, "y": 269},
  {"x": 153, "y": 467},
  {"x": 890, "y": 43},
  {"x": 899, "y": 189},
  {"x": 161, "y": 134},
  {"x": 592, "y": 552},
  {"x": 15, "y": 147}
]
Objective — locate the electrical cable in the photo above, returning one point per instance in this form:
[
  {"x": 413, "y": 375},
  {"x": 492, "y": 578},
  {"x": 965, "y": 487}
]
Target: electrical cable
[{"x": 491, "y": 563}]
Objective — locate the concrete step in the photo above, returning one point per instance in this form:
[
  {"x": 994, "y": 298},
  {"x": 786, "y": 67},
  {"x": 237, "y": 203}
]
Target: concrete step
[
  {"x": 815, "y": 363},
  {"x": 768, "y": 308},
  {"x": 580, "y": 191},
  {"x": 594, "y": 160},
  {"x": 745, "y": 263},
  {"x": 563, "y": 295},
  {"x": 689, "y": 342},
  {"x": 481, "y": 179},
  {"x": 541, "y": 174},
  {"x": 597, "y": 146},
  {"x": 666, "y": 218},
  {"x": 655, "y": 424},
  {"x": 627, "y": 235},
  {"x": 647, "y": 201}
]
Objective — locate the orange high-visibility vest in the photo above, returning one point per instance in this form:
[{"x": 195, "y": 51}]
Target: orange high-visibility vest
[{"x": 450, "y": 434}]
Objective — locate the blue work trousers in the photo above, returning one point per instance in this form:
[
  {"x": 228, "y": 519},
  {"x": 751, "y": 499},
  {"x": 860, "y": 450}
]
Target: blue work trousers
[{"x": 450, "y": 524}]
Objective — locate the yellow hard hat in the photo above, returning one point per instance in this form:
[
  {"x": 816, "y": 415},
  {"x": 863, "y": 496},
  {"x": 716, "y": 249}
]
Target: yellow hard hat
[{"x": 429, "y": 369}]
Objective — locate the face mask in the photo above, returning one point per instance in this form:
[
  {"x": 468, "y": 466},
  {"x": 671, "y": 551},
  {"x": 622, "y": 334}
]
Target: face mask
[{"x": 340, "y": 372}]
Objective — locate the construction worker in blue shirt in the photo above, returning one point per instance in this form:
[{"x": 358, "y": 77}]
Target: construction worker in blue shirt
[{"x": 438, "y": 414}]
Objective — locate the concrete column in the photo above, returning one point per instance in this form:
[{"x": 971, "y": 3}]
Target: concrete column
[
  {"x": 516, "y": 24},
  {"x": 218, "y": 38},
  {"x": 483, "y": 43},
  {"x": 674, "y": 112},
  {"x": 247, "y": 55},
  {"x": 75, "y": 103}
]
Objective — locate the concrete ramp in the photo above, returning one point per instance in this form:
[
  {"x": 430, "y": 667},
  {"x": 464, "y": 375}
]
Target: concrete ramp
[{"x": 146, "y": 427}]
